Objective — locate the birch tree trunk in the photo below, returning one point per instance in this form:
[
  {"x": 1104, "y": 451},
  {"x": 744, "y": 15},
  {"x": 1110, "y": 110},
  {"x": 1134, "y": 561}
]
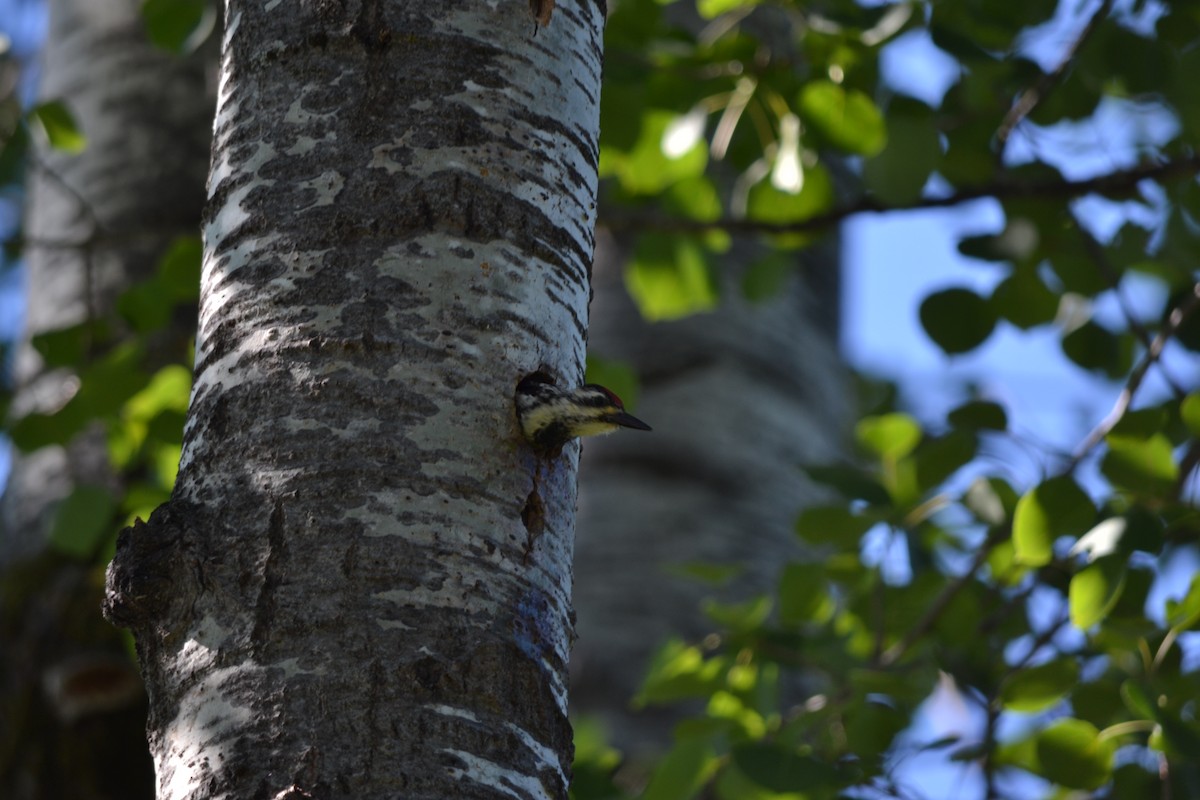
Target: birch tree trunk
[
  {"x": 361, "y": 585},
  {"x": 72, "y": 712}
]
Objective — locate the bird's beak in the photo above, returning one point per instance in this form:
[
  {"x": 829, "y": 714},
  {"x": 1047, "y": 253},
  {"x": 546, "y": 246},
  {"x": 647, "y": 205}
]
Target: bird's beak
[{"x": 626, "y": 420}]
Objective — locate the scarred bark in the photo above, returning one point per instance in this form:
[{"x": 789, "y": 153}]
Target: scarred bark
[{"x": 347, "y": 595}]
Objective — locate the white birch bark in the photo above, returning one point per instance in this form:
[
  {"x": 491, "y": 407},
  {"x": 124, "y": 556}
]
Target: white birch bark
[{"x": 361, "y": 586}]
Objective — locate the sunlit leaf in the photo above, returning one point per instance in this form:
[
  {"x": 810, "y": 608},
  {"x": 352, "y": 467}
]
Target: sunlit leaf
[
  {"x": 1140, "y": 465},
  {"x": 847, "y": 118},
  {"x": 670, "y": 277},
  {"x": 1057, "y": 507},
  {"x": 890, "y": 436},
  {"x": 59, "y": 126},
  {"x": 1095, "y": 589},
  {"x": 1189, "y": 411}
]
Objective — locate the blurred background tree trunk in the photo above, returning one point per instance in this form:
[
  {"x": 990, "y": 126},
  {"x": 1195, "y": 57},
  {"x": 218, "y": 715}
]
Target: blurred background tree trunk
[
  {"x": 97, "y": 222},
  {"x": 740, "y": 398}
]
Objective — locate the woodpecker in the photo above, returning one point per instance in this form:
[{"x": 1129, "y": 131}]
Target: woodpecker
[{"x": 550, "y": 416}]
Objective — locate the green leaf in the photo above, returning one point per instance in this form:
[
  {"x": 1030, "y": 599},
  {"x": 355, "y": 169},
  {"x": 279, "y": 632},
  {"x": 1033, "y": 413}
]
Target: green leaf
[
  {"x": 1143, "y": 466},
  {"x": 939, "y": 458},
  {"x": 179, "y": 269},
  {"x": 957, "y": 320},
  {"x": 1189, "y": 411},
  {"x": 682, "y": 773},
  {"x": 715, "y": 8},
  {"x": 1024, "y": 300},
  {"x": 765, "y": 203},
  {"x": 670, "y": 277},
  {"x": 872, "y": 726},
  {"x": 783, "y": 769},
  {"x": 744, "y": 616},
  {"x": 58, "y": 124},
  {"x": 1036, "y": 688},
  {"x": 803, "y": 594},
  {"x": 176, "y": 25},
  {"x": 646, "y": 169},
  {"x": 679, "y": 671},
  {"x": 767, "y": 276},
  {"x": 897, "y": 175},
  {"x": 847, "y": 118},
  {"x": 83, "y": 519},
  {"x": 979, "y": 415},
  {"x": 1095, "y": 589},
  {"x": 66, "y": 347},
  {"x": 889, "y": 436},
  {"x": 145, "y": 307},
  {"x": 832, "y": 525},
  {"x": 13, "y": 151},
  {"x": 1057, "y": 507},
  {"x": 1185, "y": 613},
  {"x": 853, "y": 483},
  {"x": 1072, "y": 754},
  {"x": 1094, "y": 347}
]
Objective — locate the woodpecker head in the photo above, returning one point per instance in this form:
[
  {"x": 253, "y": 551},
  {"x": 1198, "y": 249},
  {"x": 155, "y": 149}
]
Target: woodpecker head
[{"x": 550, "y": 416}]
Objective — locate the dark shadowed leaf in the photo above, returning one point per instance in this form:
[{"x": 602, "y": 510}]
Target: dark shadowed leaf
[
  {"x": 781, "y": 769},
  {"x": 1036, "y": 688},
  {"x": 957, "y": 320},
  {"x": 82, "y": 521},
  {"x": 1072, "y": 754}
]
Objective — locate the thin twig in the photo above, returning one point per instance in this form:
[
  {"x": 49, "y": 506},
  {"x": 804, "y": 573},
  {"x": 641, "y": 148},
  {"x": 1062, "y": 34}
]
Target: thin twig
[
  {"x": 1111, "y": 274},
  {"x": 939, "y": 604},
  {"x": 1153, "y": 352},
  {"x": 1035, "y": 94},
  {"x": 1119, "y": 182}
]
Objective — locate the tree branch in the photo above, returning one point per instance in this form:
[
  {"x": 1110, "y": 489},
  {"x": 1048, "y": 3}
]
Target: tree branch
[
  {"x": 1003, "y": 188},
  {"x": 1034, "y": 95},
  {"x": 1125, "y": 399}
]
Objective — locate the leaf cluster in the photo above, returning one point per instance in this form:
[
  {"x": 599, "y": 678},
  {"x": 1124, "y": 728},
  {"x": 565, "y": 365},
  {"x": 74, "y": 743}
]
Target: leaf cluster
[{"x": 1043, "y": 603}]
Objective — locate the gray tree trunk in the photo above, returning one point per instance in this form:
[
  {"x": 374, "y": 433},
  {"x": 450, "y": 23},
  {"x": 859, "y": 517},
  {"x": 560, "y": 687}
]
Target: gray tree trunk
[
  {"x": 72, "y": 710},
  {"x": 361, "y": 585},
  {"x": 739, "y": 398}
]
